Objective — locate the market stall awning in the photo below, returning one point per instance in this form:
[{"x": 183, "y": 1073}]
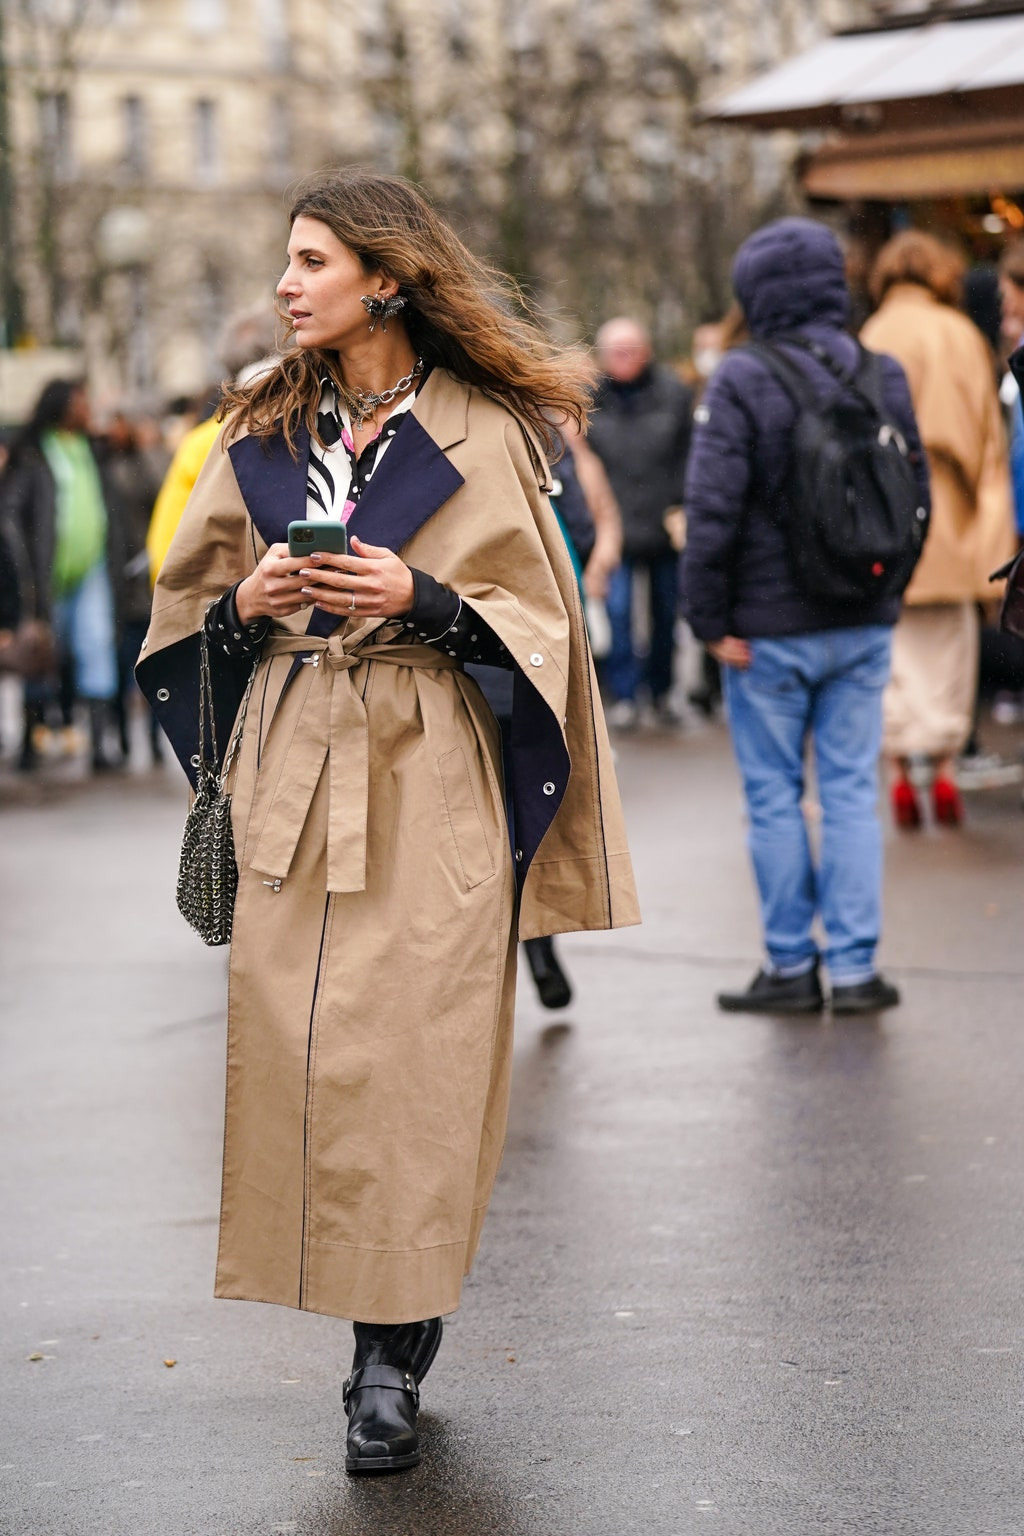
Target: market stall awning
[
  {"x": 897, "y": 167},
  {"x": 846, "y": 77}
]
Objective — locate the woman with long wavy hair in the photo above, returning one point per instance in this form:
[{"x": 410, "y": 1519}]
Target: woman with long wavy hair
[{"x": 390, "y": 846}]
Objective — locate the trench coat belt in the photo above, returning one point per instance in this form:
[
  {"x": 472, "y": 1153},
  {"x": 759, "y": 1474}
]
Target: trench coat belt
[{"x": 339, "y": 735}]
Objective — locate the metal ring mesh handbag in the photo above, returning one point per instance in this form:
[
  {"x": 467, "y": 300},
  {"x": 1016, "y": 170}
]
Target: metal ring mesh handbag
[{"x": 207, "y": 870}]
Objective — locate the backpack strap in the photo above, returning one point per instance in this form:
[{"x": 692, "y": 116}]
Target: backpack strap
[
  {"x": 865, "y": 381},
  {"x": 792, "y": 378},
  {"x": 869, "y": 381}
]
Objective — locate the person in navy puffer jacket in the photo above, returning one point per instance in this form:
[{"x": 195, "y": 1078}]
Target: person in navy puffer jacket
[{"x": 796, "y": 667}]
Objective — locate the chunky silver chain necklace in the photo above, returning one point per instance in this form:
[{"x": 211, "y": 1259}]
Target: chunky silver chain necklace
[{"x": 362, "y": 404}]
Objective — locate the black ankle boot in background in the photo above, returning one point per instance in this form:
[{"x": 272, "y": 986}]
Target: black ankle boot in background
[
  {"x": 101, "y": 716},
  {"x": 552, "y": 983},
  {"x": 28, "y": 754},
  {"x": 382, "y": 1394}
]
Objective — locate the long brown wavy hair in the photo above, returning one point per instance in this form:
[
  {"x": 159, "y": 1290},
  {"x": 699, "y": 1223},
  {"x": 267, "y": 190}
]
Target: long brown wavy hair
[{"x": 461, "y": 314}]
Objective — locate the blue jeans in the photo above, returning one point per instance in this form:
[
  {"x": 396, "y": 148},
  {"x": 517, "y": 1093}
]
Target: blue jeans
[
  {"x": 825, "y": 689},
  {"x": 84, "y": 625},
  {"x": 623, "y": 668}
]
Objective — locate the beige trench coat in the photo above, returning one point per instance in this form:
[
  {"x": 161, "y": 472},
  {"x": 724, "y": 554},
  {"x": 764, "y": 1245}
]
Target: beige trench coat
[
  {"x": 372, "y": 966},
  {"x": 949, "y": 370}
]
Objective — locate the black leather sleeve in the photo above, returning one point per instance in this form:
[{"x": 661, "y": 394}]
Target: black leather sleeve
[
  {"x": 225, "y": 629},
  {"x": 439, "y": 617}
]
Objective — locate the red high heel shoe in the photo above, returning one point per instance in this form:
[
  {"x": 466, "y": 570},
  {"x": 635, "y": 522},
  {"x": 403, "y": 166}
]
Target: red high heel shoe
[
  {"x": 947, "y": 803},
  {"x": 905, "y": 807}
]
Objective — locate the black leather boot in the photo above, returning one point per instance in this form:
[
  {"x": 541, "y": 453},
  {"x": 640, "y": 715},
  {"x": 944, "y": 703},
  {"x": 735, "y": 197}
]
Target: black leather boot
[
  {"x": 382, "y": 1394},
  {"x": 552, "y": 983},
  {"x": 28, "y": 756}
]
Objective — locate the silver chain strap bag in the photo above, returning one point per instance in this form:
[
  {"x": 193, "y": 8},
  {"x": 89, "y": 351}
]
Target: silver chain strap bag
[{"x": 207, "y": 870}]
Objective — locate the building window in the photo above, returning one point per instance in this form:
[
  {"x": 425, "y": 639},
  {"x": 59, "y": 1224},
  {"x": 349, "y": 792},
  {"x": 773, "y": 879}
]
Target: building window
[
  {"x": 460, "y": 142},
  {"x": 55, "y": 134},
  {"x": 133, "y": 121},
  {"x": 206, "y": 15},
  {"x": 457, "y": 27},
  {"x": 522, "y": 33},
  {"x": 280, "y": 139},
  {"x": 206, "y": 146},
  {"x": 67, "y": 315},
  {"x": 275, "y": 32},
  {"x": 377, "y": 44}
]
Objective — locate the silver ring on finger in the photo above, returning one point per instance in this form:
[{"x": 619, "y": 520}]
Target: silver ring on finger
[{"x": 352, "y": 601}]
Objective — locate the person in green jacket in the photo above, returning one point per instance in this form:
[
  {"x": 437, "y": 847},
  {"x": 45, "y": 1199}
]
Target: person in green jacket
[{"x": 54, "y": 497}]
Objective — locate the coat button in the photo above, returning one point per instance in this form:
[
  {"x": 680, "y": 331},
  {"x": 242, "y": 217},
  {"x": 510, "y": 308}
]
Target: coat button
[
  {"x": 549, "y": 788},
  {"x": 163, "y": 694},
  {"x": 536, "y": 660},
  {"x": 519, "y": 855}
]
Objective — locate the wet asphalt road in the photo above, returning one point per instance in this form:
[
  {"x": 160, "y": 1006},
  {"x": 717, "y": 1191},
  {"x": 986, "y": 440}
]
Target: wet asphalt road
[{"x": 740, "y": 1276}]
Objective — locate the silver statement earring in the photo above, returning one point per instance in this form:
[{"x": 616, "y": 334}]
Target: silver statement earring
[{"x": 382, "y": 309}]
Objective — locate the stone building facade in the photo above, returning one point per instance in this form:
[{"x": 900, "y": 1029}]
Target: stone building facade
[{"x": 152, "y": 143}]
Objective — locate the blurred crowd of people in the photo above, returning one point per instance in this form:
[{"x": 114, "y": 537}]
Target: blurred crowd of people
[
  {"x": 88, "y": 509},
  {"x": 87, "y": 512},
  {"x": 952, "y": 329},
  {"x": 76, "y": 505}
]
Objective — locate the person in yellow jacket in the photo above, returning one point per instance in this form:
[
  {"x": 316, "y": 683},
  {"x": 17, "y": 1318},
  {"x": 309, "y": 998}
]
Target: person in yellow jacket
[
  {"x": 247, "y": 348},
  {"x": 177, "y": 487}
]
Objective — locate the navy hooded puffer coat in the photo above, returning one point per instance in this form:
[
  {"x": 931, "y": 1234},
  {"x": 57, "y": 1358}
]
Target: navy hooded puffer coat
[{"x": 736, "y": 576}]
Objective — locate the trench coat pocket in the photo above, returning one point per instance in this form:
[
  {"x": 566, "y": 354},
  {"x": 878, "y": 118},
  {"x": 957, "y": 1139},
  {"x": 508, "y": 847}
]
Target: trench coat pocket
[{"x": 475, "y": 858}]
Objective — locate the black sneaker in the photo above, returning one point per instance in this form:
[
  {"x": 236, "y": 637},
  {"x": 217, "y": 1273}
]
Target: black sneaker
[
  {"x": 776, "y": 994},
  {"x": 865, "y": 997}
]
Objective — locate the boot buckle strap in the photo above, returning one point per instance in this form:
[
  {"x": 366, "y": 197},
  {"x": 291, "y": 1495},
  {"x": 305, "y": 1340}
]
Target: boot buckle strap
[{"x": 388, "y": 1376}]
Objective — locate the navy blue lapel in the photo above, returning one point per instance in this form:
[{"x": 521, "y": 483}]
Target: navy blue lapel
[
  {"x": 414, "y": 479},
  {"x": 272, "y": 482}
]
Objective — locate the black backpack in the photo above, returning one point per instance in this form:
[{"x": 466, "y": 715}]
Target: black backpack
[{"x": 854, "y": 520}]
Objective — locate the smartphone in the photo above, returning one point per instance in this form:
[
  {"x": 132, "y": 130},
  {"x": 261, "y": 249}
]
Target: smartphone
[{"x": 319, "y": 535}]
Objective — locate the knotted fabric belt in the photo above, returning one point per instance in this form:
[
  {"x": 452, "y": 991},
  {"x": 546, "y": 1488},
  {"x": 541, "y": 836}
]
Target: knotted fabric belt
[{"x": 339, "y": 734}]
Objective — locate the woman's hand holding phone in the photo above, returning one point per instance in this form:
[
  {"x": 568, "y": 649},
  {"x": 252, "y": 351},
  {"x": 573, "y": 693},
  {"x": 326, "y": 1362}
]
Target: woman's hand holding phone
[
  {"x": 371, "y": 583},
  {"x": 274, "y": 590}
]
